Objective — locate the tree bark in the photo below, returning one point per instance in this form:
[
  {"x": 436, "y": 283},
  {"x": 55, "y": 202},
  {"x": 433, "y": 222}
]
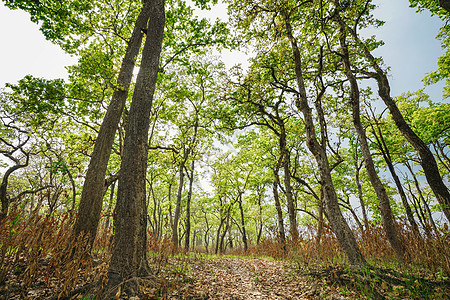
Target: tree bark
[
  {"x": 360, "y": 193},
  {"x": 428, "y": 162},
  {"x": 289, "y": 197},
  {"x": 341, "y": 229},
  {"x": 176, "y": 217},
  {"x": 129, "y": 258},
  {"x": 421, "y": 198},
  {"x": 387, "y": 158},
  {"x": 188, "y": 208},
  {"x": 383, "y": 198},
  {"x": 244, "y": 233},
  {"x": 4, "y": 185},
  {"x": 92, "y": 194},
  {"x": 281, "y": 230}
]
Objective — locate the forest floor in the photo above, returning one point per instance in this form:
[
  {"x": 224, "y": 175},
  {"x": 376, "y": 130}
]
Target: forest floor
[
  {"x": 257, "y": 278},
  {"x": 248, "y": 278},
  {"x": 201, "y": 276}
]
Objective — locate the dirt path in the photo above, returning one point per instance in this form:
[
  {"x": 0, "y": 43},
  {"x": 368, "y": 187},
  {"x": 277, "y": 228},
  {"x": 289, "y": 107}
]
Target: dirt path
[{"x": 237, "y": 278}]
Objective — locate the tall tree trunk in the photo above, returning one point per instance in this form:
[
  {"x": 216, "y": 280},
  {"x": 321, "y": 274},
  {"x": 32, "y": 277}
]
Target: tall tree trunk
[
  {"x": 341, "y": 229},
  {"x": 417, "y": 208},
  {"x": 244, "y": 233},
  {"x": 205, "y": 237},
  {"x": 360, "y": 193},
  {"x": 383, "y": 198},
  {"x": 188, "y": 207},
  {"x": 321, "y": 222},
  {"x": 387, "y": 158},
  {"x": 428, "y": 162},
  {"x": 129, "y": 258},
  {"x": 422, "y": 199},
  {"x": 191, "y": 181},
  {"x": 260, "y": 225},
  {"x": 92, "y": 194},
  {"x": 109, "y": 211},
  {"x": 222, "y": 245},
  {"x": 155, "y": 209},
  {"x": 289, "y": 197},
  {"x": 281, "y": 230},
  {"x": 175, "y": 240},
  {"x": 222, "y": 221},
  {"x": 439, "y": 149}
]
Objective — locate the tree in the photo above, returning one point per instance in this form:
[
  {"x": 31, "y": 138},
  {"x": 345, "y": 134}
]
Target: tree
[
  {"x": 341, "y": 229},
  {"x": 428, "y": 161},
  {"x": 386, "y": 212},
  {"x": 92, "y": 195},
  {"x": 278, "y": 23},
  {"x": 382, "y": 146},
  {"x": 129, "y": 250}
]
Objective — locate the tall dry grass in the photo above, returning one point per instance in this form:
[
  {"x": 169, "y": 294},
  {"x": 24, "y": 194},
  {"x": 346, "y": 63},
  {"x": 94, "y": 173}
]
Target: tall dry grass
[{"x": 39, "y": 251}]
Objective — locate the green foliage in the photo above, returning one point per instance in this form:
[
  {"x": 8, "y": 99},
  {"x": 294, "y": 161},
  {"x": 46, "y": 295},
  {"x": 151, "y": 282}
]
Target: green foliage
[
  {"x": 59, "y": 20},
  {"x": 38, "y": 99}
]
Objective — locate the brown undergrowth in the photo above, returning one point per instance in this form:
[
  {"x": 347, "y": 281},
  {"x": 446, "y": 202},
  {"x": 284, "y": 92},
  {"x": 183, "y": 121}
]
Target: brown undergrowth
[
  {"x": 423, "y": 272},
  {"x": 39, "y": 258},
  {"x": 36, "y": 263}
]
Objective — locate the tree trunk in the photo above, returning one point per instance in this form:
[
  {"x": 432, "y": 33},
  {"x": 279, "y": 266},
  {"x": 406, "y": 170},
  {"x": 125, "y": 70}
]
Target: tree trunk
[
  {"x": 188, "y": 207},
  {"x": 321, "y": 222},
  {"x": 216, "y": 250},
  {"x": 260, "y": 227},
  {"x": 129, "y": 258},
  {"x": 206, "y": 238},
  {"x": 387, "y": 158},
  {"x": 383, "y": 198},
  {"x": 108, "y": 212},
  {"x": 222, "y": 246},
  {"x": 341, "y": 229},
  {"x": 360, "y": 193},
  {"x": 276, "y": 197},
  {"x": 92, "y": 194},
  {"x": 289, "y": 197},
  {"x": 422, "y": 199},
  {"x": 244, "y": 233},
  {"x": 176, "y": 217},
  {"x": 428, "y": 162},
  {"x": 4, "y": 185},
  {"x": 439, "y": 149}
]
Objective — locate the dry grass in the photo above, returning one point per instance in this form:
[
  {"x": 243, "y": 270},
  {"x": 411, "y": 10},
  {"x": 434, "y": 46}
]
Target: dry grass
[{"x": 39, "y": 257}]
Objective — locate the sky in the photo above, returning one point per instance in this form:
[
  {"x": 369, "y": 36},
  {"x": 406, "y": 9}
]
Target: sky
[{"x": 411, "y": 49}]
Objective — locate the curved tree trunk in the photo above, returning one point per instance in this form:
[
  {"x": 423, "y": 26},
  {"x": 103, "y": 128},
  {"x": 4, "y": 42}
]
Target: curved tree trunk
[
  {"x": 341, "y": 229},
  {"x": 387, "y": 158},
  {"x": 4, "y": 185},
  {"x": 129, "y": 257},
  {"x": 421, "y": 198},
  {"x": 383, "y": 198},
  {"x": 92, "y": 194},
  {"x": 428, "y": 162}
]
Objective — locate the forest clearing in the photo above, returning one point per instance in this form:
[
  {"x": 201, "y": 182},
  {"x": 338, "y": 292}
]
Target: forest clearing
[{"x": 159, "y": 169}]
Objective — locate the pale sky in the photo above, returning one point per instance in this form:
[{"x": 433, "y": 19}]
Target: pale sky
[{"x": 411, "y": 48}]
